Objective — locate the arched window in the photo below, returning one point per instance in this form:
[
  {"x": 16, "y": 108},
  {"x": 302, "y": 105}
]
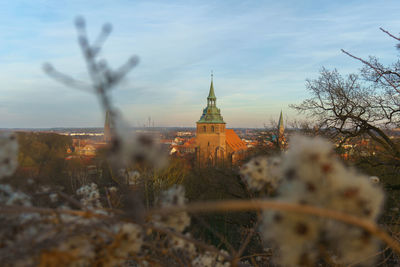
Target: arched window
[
  {"x": 204, "y": 128},
  {"x": 212, "y": 129}
]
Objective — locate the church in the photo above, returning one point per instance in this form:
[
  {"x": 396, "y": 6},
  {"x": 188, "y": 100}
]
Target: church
[{"x": 216, "y": 145}]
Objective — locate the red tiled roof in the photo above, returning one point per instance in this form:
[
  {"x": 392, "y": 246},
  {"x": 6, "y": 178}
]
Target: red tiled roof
[
  {"x": 234, "y": 141},
  {"x": 190, "y": 142}
]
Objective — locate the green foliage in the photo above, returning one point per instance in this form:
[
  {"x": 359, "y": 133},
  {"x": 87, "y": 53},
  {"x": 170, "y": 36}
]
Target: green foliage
[
  {"x": 42, "y": 147},
  {"x": 42, "y": 157}
]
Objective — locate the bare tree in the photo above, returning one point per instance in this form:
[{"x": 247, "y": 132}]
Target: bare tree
[{"x": 358, "y": 105}]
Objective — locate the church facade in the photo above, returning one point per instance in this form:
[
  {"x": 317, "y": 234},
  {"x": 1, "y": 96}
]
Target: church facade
[{"x": 216, "y": 145}]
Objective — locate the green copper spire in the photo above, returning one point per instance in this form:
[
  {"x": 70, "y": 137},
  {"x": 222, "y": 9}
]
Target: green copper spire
[
  {"x": 211, "y": 95},
  {"x": 211, "y": 114},
  {"x": 281, "y": 128}
]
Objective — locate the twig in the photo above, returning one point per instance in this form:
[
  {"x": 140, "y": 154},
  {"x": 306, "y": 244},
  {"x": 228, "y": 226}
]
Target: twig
[
  {"x": 264, "y": 255},
  {"x": 195, "y": 242},
  {"x": 71, "y": 200},
  {"x": 380, "y": 73},
  {"x": 246, "y": 242},
  {"x": 161, "y": 251},
  {"x": 369, "y": 257},
  {"x": 65, "y": 79},
  {"x": 221, "y": 237},
  {"x": 391, "y": 35},
  {"x": 12, "y": 209},
  {"x": 257, "y": 204},
  {"x": 108, "y": 197}
]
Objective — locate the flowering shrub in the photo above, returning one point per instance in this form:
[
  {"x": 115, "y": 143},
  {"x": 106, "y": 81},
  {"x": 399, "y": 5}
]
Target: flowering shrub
[{"x": 175, "y": 196}]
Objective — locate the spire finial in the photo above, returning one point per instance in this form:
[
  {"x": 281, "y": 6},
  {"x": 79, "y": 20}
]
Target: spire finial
[{"x": 211, "y": 95}]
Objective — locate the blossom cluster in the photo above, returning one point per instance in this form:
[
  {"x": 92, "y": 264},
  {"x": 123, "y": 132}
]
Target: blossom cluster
[
  {"x": 89, "y": 196},
  {"x": 174, "y": 196},
  {"x": 210, "y": 259},
  {"x": 262, "y": 172},
  {"x": 97, "y": 246},
  {"x": 9, "y": 196},
  {"x": 312, "y": 175},
  {"x": 127, "y": 242}
]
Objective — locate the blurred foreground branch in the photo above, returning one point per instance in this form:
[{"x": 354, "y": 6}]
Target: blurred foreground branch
[{"x": 236, "y": 206}]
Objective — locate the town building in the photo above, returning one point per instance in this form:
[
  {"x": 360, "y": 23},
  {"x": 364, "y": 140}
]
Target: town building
[{"x": 216, "y": 145}]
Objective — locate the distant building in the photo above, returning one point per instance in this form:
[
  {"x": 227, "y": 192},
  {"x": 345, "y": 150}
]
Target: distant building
[
  {"x": 180, "y": 134},
  {"x": 216, "y": 145},
  {"x": 86, "y": 147},
  {"x": 88, "y": 150},
  {"x": 183, "y": 148}
]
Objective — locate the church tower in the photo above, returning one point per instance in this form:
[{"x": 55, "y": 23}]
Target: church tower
[
  {"x": 281, "y": 128},
  {"x": 281, "y": 140},
  {"x": 211, "y": 136}
]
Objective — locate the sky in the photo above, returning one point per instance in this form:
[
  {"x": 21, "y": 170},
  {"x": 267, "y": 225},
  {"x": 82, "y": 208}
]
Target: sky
[{"x": 261, "y": 53}]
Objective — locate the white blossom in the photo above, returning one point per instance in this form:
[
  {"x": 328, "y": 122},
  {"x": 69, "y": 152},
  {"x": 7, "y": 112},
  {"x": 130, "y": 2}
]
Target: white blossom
[
  {"x": 181, "y": 244},
  {"x": 79, "y": 249},
  {"x": 8, "y": 196},
  {"x": 90, "y": 196},
  {"x": 312, "y": 175},
  {"x": 262, "y": 171},
  {"x": 175, "y": 196},
  {"x": 374, "y": 179},
  {"x": 127, "y": 241},
  {"x": 210, "y": 259}
]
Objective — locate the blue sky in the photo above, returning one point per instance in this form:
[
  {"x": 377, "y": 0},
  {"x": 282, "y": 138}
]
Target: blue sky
[{"x": 261, "y": 53}]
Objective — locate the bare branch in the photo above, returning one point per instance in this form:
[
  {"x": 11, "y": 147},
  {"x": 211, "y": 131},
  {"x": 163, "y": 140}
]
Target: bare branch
[
  {"x": 391, "y": 35},
  {"x": 65, "y": 79},
  {"x": 379, "y": 72}
]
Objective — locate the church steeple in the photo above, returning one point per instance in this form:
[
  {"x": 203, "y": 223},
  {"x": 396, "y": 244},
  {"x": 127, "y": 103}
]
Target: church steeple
[
  {"x": 281, "y": 128},
  {"x": 211, "y": 114},
  {"x": 211, "y": 99}
]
